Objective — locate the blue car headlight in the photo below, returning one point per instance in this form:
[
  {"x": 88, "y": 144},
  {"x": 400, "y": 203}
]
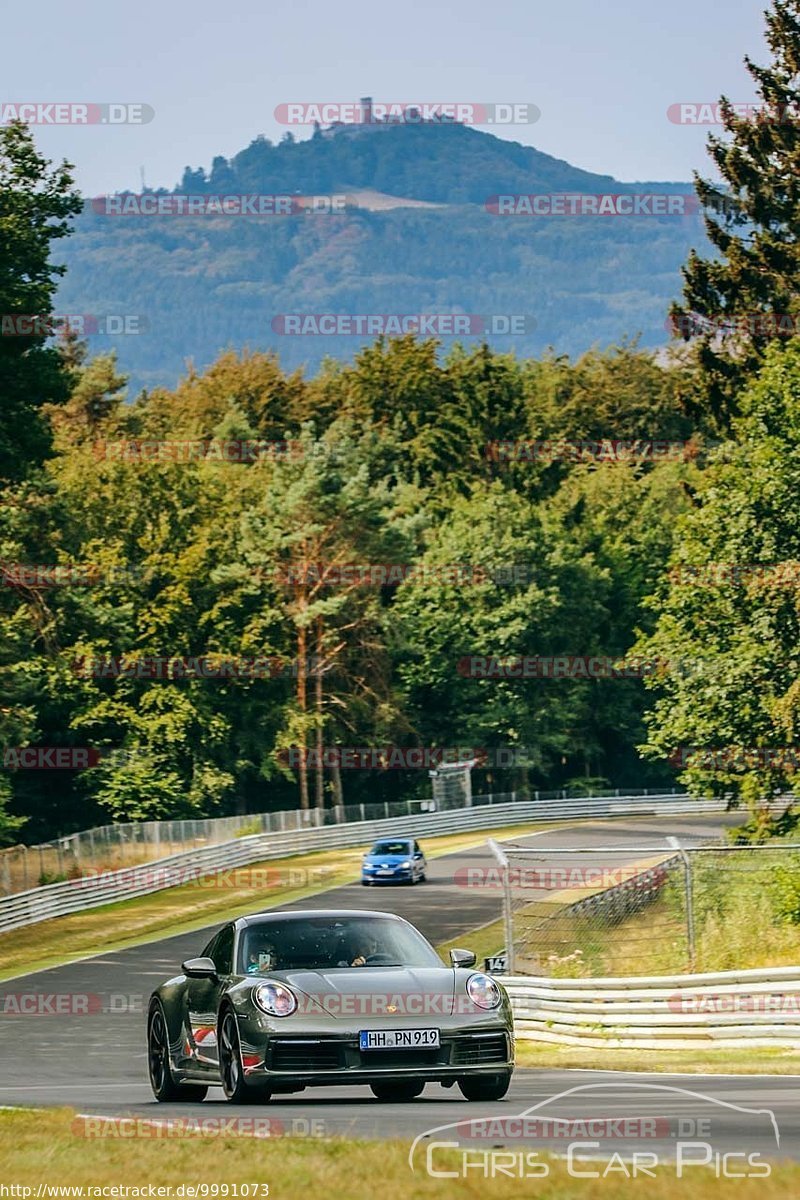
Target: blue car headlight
[
  {"x": 275, "y": 998},
  {"x": 483, "y": 991},
  {"x": 405, "y": 865}
]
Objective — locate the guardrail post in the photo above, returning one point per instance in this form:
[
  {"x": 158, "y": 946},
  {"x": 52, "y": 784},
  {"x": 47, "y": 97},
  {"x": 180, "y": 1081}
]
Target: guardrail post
[
  {"x": 687, "y": 872},
  {"x": 508, "y": 919}
]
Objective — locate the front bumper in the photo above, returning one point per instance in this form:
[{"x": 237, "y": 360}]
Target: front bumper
[
  {"x": 306, "y": 1059},
  {"x": 398, "y": 876}
]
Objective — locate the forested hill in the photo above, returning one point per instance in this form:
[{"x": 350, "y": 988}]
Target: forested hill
[
  {"x": 202, "y": 284},
  {"x": 443, "y": 163}
]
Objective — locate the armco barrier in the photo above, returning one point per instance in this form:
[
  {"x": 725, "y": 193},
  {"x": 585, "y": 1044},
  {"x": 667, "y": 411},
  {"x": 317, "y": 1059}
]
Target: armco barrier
[
  {"x": 59, "y": 899},
  {"x": 731, "y": 1009}
]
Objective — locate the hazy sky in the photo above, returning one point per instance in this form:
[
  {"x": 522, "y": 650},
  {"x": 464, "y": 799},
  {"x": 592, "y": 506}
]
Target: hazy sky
[{"x": 603, "y": 73}]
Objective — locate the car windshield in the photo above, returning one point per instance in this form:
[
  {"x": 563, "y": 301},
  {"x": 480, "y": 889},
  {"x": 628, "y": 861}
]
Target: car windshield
[
  {"x": 391, "y": 848},
  {"x": 323, "y": 943}
]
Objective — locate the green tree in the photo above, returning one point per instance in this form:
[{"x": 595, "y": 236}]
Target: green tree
[
  {"x": 728, "y": 706},
  {"x": 752, "y": 219},
  {"x": 36, "y": 202}
]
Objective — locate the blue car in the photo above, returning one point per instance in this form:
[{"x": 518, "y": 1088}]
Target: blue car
[{"x": 394, "y": 860}]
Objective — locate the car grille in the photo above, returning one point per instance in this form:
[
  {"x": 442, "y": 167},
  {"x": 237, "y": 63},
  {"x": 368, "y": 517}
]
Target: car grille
[
  {"x": 401, "y": 1058},
  {"x": 485, "y": 1048},
  {"x": 300, "y": 1056}
]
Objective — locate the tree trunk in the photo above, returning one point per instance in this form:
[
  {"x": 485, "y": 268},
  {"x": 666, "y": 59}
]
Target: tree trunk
[
  {"x": 336, "y": 780},
  {"x": 302, "y": 656},
  {"x": 319, "y": 707}
]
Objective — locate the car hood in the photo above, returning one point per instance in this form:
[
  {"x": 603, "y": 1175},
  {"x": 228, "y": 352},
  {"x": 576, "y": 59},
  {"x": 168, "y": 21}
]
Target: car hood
[
  {"x": 362, "y": 991},
  {"x": 390, "y": 859}
]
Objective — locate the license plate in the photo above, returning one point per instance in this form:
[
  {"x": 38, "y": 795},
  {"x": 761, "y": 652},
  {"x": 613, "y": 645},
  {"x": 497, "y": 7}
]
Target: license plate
[
  {"x": 397, "y": 1039},
  {"x": 386, "y": 871}
]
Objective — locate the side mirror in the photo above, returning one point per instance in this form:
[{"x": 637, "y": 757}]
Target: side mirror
[
  {"x": 201, "y": 968},
  {"x": 462, "y": 958}
]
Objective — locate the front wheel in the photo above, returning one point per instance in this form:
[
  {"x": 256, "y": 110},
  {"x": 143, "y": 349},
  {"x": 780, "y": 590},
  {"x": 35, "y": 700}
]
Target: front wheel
[
  {"x": 161, "y": 1079},
  {"x": 484, "y": 1087},
  {"x": 398, "y": 1092},
  {"x": 230, "y": 1065}
]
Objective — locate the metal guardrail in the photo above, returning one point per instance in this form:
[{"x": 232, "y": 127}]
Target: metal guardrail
[
  {"x": 76, "y": 895},
  {"x": 759, "y": 1007},
  {"x": 127, "y": 844}
]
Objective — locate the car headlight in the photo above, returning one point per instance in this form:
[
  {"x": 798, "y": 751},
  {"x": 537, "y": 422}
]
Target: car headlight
[
  {"x": 406, "y": 864},
  {"x": 483, "y": 991},
  {"x": 275, "y": 999}
]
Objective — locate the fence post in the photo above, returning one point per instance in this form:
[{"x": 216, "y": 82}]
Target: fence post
[
  {"x": 363, "y": 814},
  {"x": 687, "y": 871},
  {"x": 508, "y": 920}
]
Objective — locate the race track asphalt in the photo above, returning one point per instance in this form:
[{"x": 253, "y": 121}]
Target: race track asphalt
[{"x": 95, "y": 1062}]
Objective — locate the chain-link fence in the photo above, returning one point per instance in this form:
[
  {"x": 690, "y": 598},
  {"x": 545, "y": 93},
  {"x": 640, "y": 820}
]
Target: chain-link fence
[
  {"x": 112, "y": 847},
  {"x": 649, "y": 910}
]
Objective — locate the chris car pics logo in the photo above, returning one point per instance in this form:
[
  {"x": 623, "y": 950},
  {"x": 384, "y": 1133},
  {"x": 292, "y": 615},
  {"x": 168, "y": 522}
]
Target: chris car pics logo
[{"x": 599, "y": 1136}]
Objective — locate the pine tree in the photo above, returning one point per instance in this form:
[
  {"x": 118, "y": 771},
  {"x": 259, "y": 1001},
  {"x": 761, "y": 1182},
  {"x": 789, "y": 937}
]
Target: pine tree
[
  {"x": 749, "y": 295},
  {"x": 36, "y": 201}
]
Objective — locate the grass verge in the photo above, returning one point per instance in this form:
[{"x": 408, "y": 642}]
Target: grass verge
[
  {"x": 202, "y": 902},
  {"x": 40, "y": 1148},
  {"x": 706, "y": 1060}
]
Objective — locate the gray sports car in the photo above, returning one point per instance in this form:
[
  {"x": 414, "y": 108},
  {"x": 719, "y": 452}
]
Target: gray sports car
[{"x": 282, "y": 1001}]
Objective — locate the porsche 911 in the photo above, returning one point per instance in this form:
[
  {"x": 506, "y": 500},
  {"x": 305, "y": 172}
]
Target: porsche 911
[{"x": 281, "y": 1001}]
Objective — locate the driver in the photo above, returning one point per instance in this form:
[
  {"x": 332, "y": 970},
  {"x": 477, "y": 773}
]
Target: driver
[
  {"x": 365, "y": 947},
  {"x": 263, "y": 958}
]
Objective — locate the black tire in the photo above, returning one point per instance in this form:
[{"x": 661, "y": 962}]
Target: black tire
[
  {"x": 423, "y": 878},
  {"x": 161, "y": 1079},
  {"x": 230, "y": 1068},
  {"x": 365, "y": 883},
  {"x": 230, "y": 1064},
  {"x": 484, "y": 1087},
  {"x": 398, "y": 1091}
]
